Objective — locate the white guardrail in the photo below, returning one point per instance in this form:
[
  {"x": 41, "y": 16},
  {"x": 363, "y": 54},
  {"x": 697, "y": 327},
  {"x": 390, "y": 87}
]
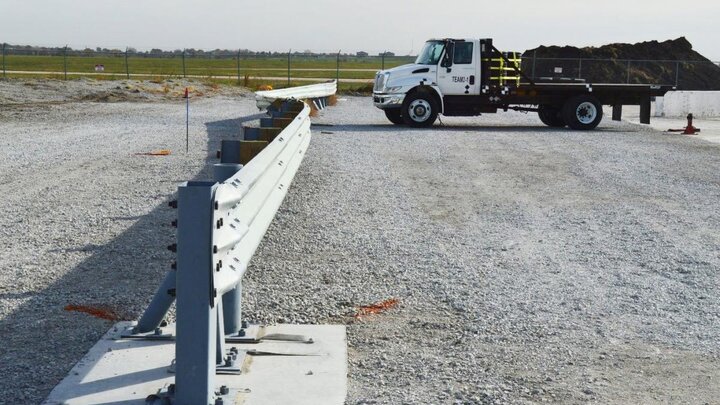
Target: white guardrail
[
  {"x": 317, "y": 92},
  {"x": 220, "y": 225},
  {"x": 245, "y": 204}
]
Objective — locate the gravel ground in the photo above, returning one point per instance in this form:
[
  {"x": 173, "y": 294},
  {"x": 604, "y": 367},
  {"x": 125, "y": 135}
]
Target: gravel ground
[{"x": 531, "y": 264}]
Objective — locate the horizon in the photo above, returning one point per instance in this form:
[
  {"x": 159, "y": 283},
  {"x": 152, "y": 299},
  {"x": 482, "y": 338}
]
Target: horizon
[
  {"x": 325, "y": 26},
  {"x": 306, "y": 51}
]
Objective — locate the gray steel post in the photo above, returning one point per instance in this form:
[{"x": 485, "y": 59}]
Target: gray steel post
[
  {"x": 337, "y": 68},
  {"x": 127, "y": 66},
  {"x": 231, "y": 300},
  {"x": 183, "y": 63},
  {"x": 288, "y": 69},
  {"x": 159, "y": 306},
  {"x": 196, "y": 342},
  {"x": 677, "y": 73},
  {"x": 383, "y": 60},
  {"x": 65, "y": 61}
]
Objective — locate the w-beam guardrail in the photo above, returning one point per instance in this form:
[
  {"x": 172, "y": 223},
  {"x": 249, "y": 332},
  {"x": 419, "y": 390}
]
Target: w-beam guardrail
[
  {"x": 219, "y": 227},
  {"x": 318, "y": 93}
]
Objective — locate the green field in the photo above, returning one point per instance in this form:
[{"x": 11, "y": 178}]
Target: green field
[{"x": 301, "y": 66}]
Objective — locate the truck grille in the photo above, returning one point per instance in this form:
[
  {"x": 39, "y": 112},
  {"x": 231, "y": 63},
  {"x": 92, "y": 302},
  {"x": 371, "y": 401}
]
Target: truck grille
[{"x": 379, "y": 82}]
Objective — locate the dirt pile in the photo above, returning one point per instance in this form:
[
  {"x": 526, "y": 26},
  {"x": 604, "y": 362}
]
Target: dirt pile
[{"x": 609, "y": 64}]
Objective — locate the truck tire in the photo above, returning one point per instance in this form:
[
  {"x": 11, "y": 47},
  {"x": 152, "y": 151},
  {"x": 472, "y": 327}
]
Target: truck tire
[
  {"x": 551, "y": 116},
  {"x": 419, "y": 110},
  {"x": 395, "y": 116},
  {"x": 583, "y": 112}
]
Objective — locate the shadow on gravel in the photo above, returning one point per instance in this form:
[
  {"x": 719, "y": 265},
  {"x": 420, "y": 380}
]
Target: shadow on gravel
[
  {"x": 121, "y": 274},
  {"x": 455, "y": 128}
]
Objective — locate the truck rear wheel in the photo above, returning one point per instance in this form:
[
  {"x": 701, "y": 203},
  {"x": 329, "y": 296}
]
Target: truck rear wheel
[
  {"x": 419, "y": 110},
  {"x": 583, "y": 112},
  {"x": 551, "y": 116},
  {"x": 395, "y": 116}
]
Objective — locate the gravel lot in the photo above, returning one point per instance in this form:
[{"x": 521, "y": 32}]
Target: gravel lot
[{"x": 531, "y": 264}]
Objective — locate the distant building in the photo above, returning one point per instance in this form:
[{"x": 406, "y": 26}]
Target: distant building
[
  {"x": 386, "y": 54},
  {"x": 362, "y": 54}
]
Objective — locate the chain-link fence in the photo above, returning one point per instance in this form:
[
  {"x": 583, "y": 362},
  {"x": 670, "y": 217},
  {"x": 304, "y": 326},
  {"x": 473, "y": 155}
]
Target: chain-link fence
[
  {"x": 283, "y": 68},
  {"x": 239, "y": 66}
]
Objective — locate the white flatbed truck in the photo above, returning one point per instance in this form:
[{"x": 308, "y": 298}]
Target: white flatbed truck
[{"x": 469, "y": 77}]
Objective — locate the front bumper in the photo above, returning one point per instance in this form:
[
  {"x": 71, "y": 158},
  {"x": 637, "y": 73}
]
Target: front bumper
[{"x": 384, "y": 100}]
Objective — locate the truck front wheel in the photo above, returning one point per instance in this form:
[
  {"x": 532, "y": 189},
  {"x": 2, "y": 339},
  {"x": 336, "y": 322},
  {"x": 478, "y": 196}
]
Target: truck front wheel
[
  {"x": 419, "y": 110},
  {"x": 551, "y": 116},
  {"x": 395, "y": 116},
  {"x": 583, "y": 112}
]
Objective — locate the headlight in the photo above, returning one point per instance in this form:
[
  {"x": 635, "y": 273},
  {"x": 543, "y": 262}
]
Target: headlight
[{"x": 393, "y": 89}]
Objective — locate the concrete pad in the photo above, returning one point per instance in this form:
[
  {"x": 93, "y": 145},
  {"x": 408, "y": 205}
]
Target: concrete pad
[
  {"x": 710, "y": 127},
  {"x": 125, "y": 371}
]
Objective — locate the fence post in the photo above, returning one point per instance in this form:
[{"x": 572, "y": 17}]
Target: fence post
[
  {"x": 289, "y": 66},
  {"x": 3, "y": 60},
  {"x": 383, "y": 60},
  {"x": 127, "y": 66},
  {"x": 628, "y": 71},
  {"x": 65, "y": 61},
  {"x": 238, "y": 66},
  {"x": 337, "y": 68},
  {"x": 677, "y": 73},
  {"x": 183, "y": 63}
]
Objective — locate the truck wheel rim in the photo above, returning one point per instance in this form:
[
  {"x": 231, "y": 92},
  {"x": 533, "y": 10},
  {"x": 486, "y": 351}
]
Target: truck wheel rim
[
  {"x": 586, "y": 112},
  {"x": 419, "y": 110}
]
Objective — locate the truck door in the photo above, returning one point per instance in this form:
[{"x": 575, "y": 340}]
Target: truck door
[{"x": 457, "y": 73}]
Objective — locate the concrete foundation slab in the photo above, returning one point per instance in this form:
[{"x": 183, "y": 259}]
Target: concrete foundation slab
[
  {"x": 710, "y": 127},
  {"x": 125, "y": 371}
]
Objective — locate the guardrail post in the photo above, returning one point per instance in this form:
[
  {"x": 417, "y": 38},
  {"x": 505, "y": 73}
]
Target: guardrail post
[
  {"x": 677, "y": 74},
  {"x": 3, "y": 60},
  {"x": 183, "y": 63},
  {"x": 65, "y": 61},
  {"x": 127, "y": 66},
  {"x": 288, "y": 69},
  {"x": 231, "y": 300},
  {"x": 197, "y": 316},
  {"x": 382, "y": 58}
]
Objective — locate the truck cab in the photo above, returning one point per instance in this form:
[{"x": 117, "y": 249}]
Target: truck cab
[
  {"x": 447, "y": 66},
  {"x": 468, "y": 77}
]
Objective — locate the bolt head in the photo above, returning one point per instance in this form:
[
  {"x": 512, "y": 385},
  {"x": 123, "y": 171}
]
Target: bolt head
[
  {"x": 224, "y": 390},
  {"x": 241, "y": 332}
]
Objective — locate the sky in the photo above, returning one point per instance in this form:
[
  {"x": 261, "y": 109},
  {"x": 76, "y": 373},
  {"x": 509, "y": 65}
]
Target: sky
[{"x": 368, "y": 25}]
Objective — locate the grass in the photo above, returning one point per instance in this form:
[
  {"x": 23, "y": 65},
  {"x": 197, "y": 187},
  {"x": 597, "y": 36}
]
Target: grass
[{"x": 300, "y": 66}]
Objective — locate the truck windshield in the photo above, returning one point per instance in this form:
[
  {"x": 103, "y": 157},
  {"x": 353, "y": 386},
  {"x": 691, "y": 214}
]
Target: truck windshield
[{"x": 431, "y": 52}]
